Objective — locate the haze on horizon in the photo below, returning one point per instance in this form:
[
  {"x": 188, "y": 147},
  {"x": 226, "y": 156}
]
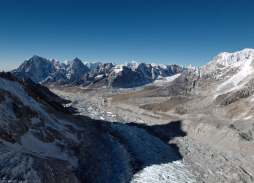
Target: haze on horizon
[{"x": 162, "y": 32}]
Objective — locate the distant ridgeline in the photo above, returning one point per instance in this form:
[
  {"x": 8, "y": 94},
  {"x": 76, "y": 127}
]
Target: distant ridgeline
[{"x": 78, "y": 73}]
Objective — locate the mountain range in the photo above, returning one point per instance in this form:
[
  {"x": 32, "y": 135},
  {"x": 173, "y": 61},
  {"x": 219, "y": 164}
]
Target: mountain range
[
  {"x": 78, "y": 73},
  {"x": 40, "y": 69},
  {"x": 234, "y": 69}
]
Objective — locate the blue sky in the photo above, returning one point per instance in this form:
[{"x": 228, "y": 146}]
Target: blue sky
[{"x": 181, "y": 31}]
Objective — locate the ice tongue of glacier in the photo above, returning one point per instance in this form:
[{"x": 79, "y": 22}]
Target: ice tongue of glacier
[{"x": 151, "y": 150}]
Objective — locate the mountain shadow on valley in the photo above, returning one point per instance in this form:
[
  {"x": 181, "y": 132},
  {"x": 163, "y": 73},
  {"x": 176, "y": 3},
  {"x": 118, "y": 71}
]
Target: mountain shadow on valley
[
  {"x": 117, "y": 151},
  {"x": 165, "y": 132}
]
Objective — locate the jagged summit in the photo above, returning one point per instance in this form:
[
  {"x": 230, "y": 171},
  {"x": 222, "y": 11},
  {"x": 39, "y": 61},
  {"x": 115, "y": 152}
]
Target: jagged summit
[
  {"x": 74, "y": 62},
  {"x": 76, "y": 59},
  {"x": 76, "y": 69},
  {"x": 66, "y": 62},
  {"x": 132, "y": 63},
  {"x": 92, "y": 65},
  {"x": 53, "y": 60},
  {"x": 227, "y": 59},
  {"x": 130, "y": 73},
  {"x": 135, "y": 74},
  {"x": 35, "y": 57},
  {"x": 39, "y": 69},
  {"x": 50, "y": 71},
  {"x": 190, "y": 67}
]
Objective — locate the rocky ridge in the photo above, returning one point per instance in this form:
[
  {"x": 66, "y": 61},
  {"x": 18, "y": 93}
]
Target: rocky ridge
[
  {"x": 127, "y": 75},
  {"x": 75, "y": 73},
  {"x": 92, "y": 65},
  {"x": 42, "y": 70}
]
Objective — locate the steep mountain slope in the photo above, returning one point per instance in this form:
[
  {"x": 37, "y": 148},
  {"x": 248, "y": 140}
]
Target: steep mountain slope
[
  {"x": 36, "y": 143},
  {"x": 73, "y": 71},
  {"x": 94, "y": 76},
  {"x": 76, "y": 69},
  {"x": 42, "y": 70},
  {"x": 37, "y": 68}
]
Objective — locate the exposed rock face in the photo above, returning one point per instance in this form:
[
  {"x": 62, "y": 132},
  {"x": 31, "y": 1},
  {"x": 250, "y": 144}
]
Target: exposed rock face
[
  {"x": 55, "y": 77},
  {"x": 137, "y": 74},
  {"x": 100, "y": 73},
  {"x": 76, "y": 69},
  {"x": 37, "y": 68},
  {"x": 66, "y": 63},
  {"x": 92, "y": 65},
  {"x": 231, "y": 97},
  {"x": 228, "y": 73},
  {"x": 230, "y": 60},
  {"x": 48, "y": 71},
  {"x": 108, "y": 75},
  {"x": 128, "y": 75},
  {"x": 30, "y": 122}
]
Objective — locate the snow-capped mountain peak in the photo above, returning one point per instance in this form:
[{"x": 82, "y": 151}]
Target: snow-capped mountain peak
[
  {"x": 37, "y": 68},
  {"x": 35, "y": 58},
  {"x": 40, "y": 69},
  {"x": 190, "y": 67},
  {"x": 52, "y": 59},
  {"x": 76, "y": 59},
  {"x": 76, "y": 69},
  {"x": 76, "y": 62},
  {"x": 193, "y": 69},
  {"x": 227, "y": 59},
  {"x": 131, "y": 64},
  {"x": 56, "y": 65},
  {"x": 92, "y": 65},
  {"x": 66, "y": 62}
]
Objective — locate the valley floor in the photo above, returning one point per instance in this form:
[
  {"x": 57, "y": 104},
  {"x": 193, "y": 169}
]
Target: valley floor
[{"x": 207, "y": 151}]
